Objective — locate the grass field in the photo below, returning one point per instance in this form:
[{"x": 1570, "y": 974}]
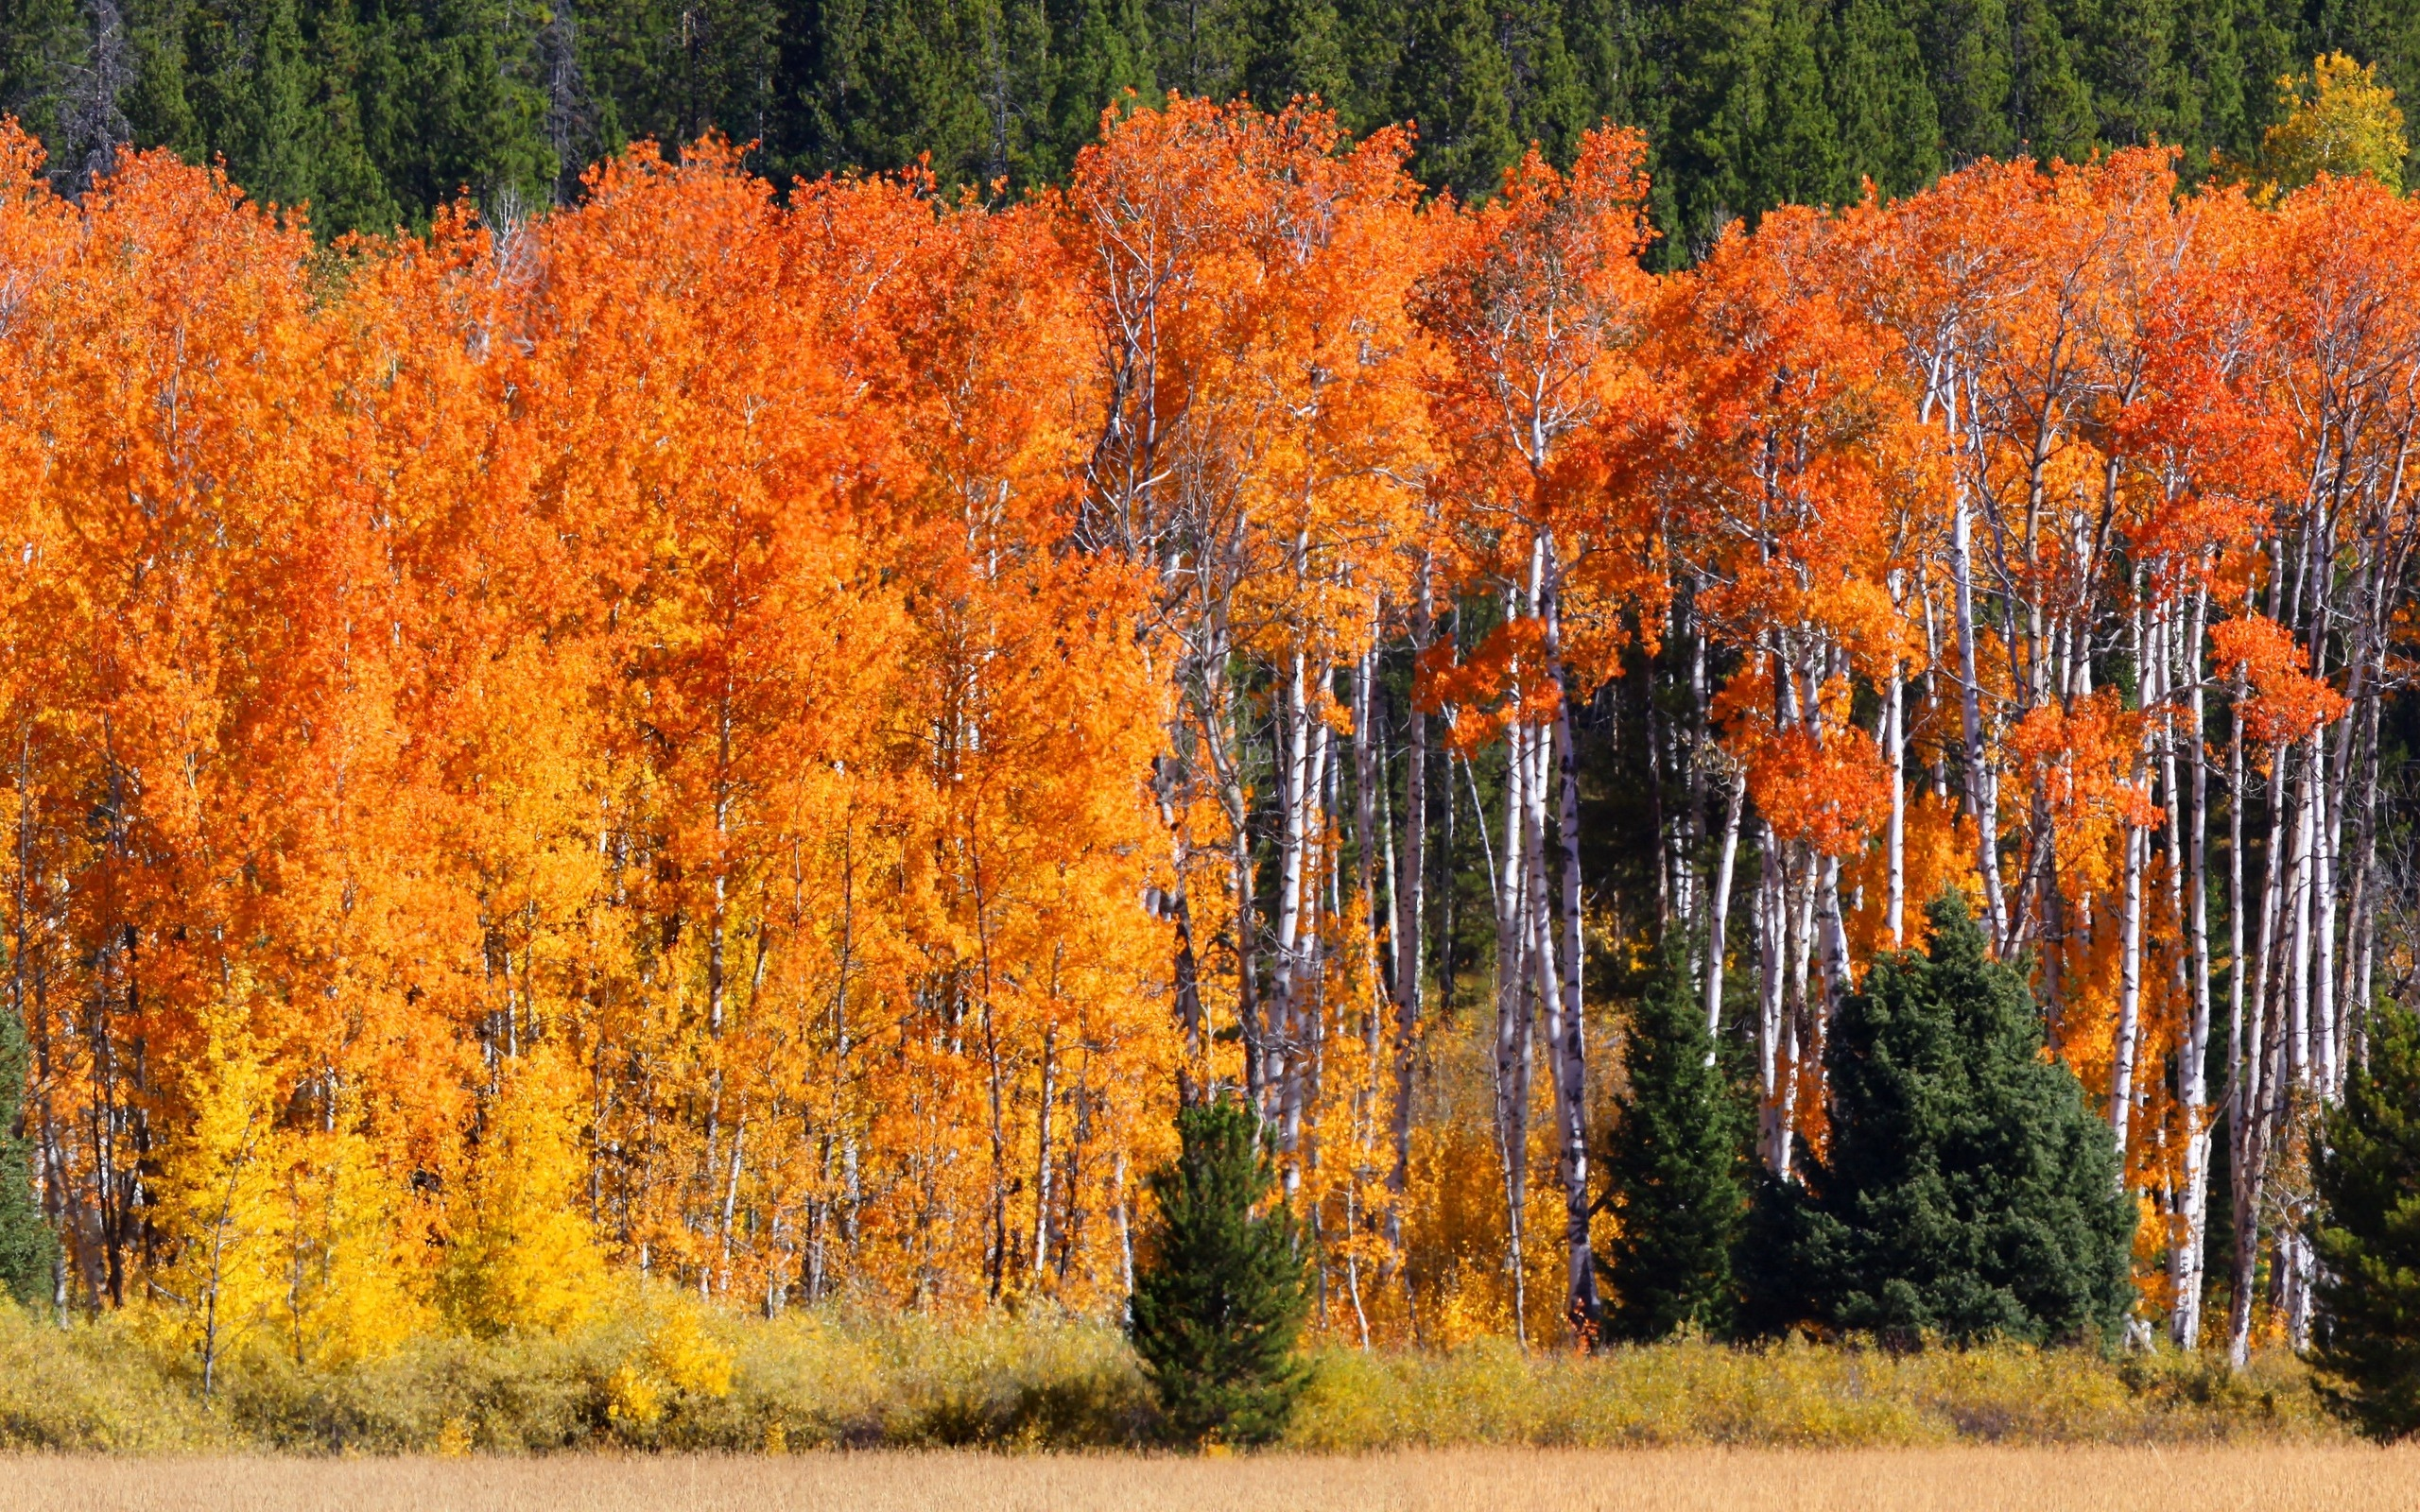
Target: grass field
[
  {"x": 2339, "y": 1478},
  {"x": 866, "y": 1382}
]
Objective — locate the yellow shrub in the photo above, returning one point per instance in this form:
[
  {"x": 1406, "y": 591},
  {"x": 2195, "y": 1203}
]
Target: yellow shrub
[
  {"x": 683, "y": 1354},
  {"x": 633, "y": 1398}
]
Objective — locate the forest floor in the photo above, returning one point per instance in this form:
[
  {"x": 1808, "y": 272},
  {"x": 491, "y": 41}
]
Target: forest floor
[{"x": 2264, "y": 1478}]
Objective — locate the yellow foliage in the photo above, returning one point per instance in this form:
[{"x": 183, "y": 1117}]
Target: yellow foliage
[
  {"x": 525, "y": 1260},
  {"x": 354, "y": 1288},
  {"x": 687, "y": 1358},
  {"x": 216, "y": 1199},
  {"x": 2347, "y": 125},
  {"x": 633, "y": 1398},
  {"x": 454, "y": 1440}
]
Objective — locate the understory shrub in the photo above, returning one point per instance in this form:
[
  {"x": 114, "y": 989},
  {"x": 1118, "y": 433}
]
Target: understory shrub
[{"x": 653, "y": 1379}]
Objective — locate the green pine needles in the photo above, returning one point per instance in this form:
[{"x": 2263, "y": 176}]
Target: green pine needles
[
  {"x": 1219, "y": 1301},
  {"x": 1968, "y": 1193},
  {"x": 26, "y": 1244},
  {"x": 2366, "y": 1236},
  {"x": 1675, "y": 1169}
]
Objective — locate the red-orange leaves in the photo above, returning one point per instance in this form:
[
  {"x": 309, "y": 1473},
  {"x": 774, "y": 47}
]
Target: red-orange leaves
[
  {"x": 2286, "y": 702},
  {"x": 1817, "y": 780},
  {"x": 2082, "y": 760},
  {"x": 1504, "y": 682}
]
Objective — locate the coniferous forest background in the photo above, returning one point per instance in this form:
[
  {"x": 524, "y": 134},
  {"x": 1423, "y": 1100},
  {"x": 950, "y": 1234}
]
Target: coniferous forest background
[{"x": 376, "y": 111}]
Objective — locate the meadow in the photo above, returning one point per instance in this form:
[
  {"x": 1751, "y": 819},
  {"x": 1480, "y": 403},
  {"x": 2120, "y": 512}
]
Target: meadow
[
  {"x": 2270, "y": 1478},
  {"x": 665, "y": 1375}
]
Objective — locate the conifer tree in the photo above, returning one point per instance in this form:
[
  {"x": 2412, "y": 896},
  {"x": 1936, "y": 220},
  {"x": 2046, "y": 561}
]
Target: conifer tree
[
  {"x": 1455, "y": 85},
  {"x": 1218, "y": 1305},
  {"x": 27, "y": 1247},
  {"x": 1881, "y": 104},
  {"x": 1675, "y": 1169},
  {"x": 2366, "y": 1235},
  {"x": 1967, "y": 1191}
]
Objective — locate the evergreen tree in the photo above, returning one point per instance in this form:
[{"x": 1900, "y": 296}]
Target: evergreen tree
[
  {"x": 43, "y": 45},
  {"x": 376, "y": 111},
  {"x": 875, "y": 84},
  {"x": 28, "y": 1246},
  {"x": 2127, "y": 53},
  {"x": 1970, "y": 70},
  {"x": 1220, "y": 1299},
  {"x": 1299, "y": 53},
  {"x": 1455, "y": 84},
  {"x": 1794, "y": 158},
  {"x": 1675, "y": 1169},
  {"x": 1967, "y": 1190},
  {"x": 2366, "y": 1235},
  {"x": 1750, "y": 128},
  {"x": 1882, "y": 103},
  {"x": 2050, "y": 106},
  {"x": 1547, "y": 104},
  {"x": 1103, "y": 51},
  {"x": 1205, "y": 46},
  {"x": 672, "y": 71}
]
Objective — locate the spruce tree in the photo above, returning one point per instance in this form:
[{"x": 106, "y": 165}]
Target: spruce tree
[
  {"x": 1455, "y": 83},
  {"x": 1219, "y": 1301},
  {"x": 1971, "y": 71},
  {"x": 1873, "y": 78},
  {"x": 1967, "y": 1191},
  {"x": 2365, "y": 1234},
  {"x": 2049, "y": 102},
  {"x": 28, "y": 1246},
  {"x": 1675, "y": 1169}
]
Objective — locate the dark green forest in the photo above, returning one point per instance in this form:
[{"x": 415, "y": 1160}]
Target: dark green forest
[{"x": 374, "y": 110}]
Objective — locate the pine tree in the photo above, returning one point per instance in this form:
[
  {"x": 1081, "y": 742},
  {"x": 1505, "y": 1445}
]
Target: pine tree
[
  {"x": 43, "y": 45},
  {"x": 1968, "y": 64},
  {"x": 1220, "y": 1302},
  {"x": 1455, "y": 86},
  {"x": 2128, "y": 56},
  {"x": 1750, "y": 128},
  {"x": 1873, "y": 80},
  {"x": 2050, "y": 105},
  {"x": 1795, "y": 156},
  {"x": 1103, "y": 51},
  {"x": 876, "y": 84},
  {"x": 1967, "y": 1191},
  {"x": 1675, "y": 1169},
  {"x": 2366, "y": 1234},
  {"x": 28, "y": 1246},
  {"x": 1299, "y": 53}
]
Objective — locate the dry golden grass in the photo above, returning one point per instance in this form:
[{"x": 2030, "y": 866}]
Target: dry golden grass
[{"x": 2340, "y": 1478}]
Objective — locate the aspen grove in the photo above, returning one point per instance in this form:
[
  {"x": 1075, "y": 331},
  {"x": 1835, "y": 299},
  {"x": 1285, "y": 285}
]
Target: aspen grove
[{"x": 771, "y": 740}]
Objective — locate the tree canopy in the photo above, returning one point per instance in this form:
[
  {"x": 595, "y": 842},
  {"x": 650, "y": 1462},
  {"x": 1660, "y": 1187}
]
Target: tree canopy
[{"x": 377, "y": 111}]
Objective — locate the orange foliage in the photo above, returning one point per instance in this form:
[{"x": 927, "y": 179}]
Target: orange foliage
[
  {"x": 2287, "y": 702},
  {"x": 706, "y": 732}
]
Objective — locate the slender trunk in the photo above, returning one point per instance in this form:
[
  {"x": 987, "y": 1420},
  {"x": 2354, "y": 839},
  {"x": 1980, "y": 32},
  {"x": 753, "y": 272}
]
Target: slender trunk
[
  {"x": 1718, "y": 909},
  {"x": 1570, "y": 1049},
  {"x": 2130, "y": 999},
  {"x": 1982, "y": 801},
  {"x": 1295, "y": 801},
  {"x": 1042, "y": 1151},
  {"x": 2194, "y": 1056},
  {"x": 1410, "y": 896},
  {"x": 1894, "y": 748},
  {"x": 1773, "y": 1054},
  {"x": 1514, "y": 1006}
]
